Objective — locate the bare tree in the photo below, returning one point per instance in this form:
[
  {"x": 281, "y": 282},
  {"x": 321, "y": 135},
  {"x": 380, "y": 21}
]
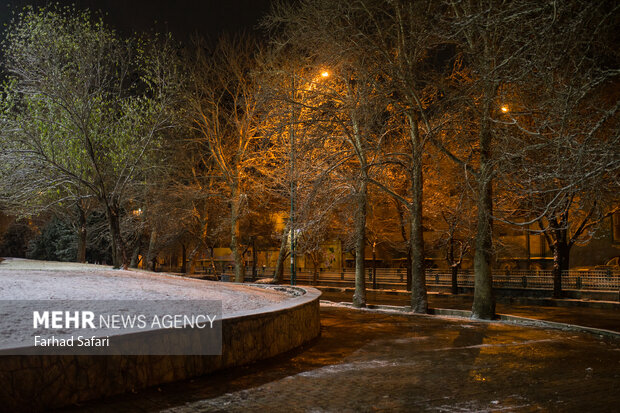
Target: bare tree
[
  {"x": 227, "y": 115},
  {"x": 561, "y": 130},
  {"x": 403, "y": 37},
  {"x": 451, "y": 211},
  {"x": 351, "y": 112},
  {"x": 493, "y": 46}
]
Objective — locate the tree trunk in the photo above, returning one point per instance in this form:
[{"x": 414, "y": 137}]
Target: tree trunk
[
  {"x": 134, "y": 256},
  {"x": 183, "y": 259},
  {"x": 453, "y": 267},
  {"x": 151, "y": 254},
  {"x": 455, "y": 280},
  {"x": 561, "y": 255},
  {"x": 193, "y": 257},
  {"x": 115, "y": 261},
  {"x": 254, "y": 258},
  {"x": 119, "y": 250},
  {"x": 82, "y": 236},
  {"x": 315, "y": 269},
  {"x": 484, "y": 302},
  {"x": 406, "y": 239},
  {"x": 234, "y": 240},
  {"x": 374, "y": 266},
  {"x": 278, "y": 276},
  {"x": 359, "y": 298},
  {"x": 212, "y": 255},
  {"x": 409, "y": 272},
  {"x": 419, "y": 299}
]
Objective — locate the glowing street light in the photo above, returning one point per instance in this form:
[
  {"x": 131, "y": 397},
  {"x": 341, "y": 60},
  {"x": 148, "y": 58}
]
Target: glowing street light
[
  {"x": 505, "y": 109},
  {"x": 325, "y": 73}
]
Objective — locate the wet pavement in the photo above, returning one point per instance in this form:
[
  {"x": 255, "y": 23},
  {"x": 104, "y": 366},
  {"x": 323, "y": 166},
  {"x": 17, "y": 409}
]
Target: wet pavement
[
  {"x": 368, "y": 361},
  {"x": 607, "y": 319}
]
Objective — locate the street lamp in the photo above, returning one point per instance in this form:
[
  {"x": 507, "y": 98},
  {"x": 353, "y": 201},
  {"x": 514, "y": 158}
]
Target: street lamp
[{"x": 324, "y": 74}]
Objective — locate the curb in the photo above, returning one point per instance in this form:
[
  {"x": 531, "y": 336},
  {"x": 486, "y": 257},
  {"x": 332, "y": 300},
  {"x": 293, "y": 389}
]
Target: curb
[
  {"x": 507, "y": 318},
  {"x": 546, "y": 302},
  {"x": 559, "y": 326}
]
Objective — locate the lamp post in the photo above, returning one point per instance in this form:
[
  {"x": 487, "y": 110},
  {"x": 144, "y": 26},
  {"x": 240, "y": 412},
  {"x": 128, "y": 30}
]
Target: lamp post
[
  {"x": 324, "y": 75},
  {"x": 292, "y": 139}
]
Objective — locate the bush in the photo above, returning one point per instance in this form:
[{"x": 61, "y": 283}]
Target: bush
[
  {"x": 56, "y": 242},
  {"x": 14, "y": 242}
]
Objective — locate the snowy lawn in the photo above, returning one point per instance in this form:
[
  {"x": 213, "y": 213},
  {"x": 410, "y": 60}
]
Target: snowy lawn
[
  {"x": 44, "y": 280},
  {"x": 22, "y": 281}
]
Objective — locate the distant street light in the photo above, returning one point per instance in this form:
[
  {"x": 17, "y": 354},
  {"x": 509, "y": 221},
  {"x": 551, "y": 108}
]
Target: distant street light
[{"x": 505, "y": 109}]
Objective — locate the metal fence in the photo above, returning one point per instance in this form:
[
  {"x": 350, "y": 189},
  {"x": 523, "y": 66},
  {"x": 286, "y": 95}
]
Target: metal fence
[{"x": 606, "y": 279}]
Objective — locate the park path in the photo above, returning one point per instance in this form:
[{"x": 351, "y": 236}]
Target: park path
[{"x": 368, "y": 361}]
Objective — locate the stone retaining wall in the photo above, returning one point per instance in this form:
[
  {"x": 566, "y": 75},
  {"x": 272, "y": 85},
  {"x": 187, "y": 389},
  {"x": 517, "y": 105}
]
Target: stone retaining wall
[{"x": 34, "y": 383}]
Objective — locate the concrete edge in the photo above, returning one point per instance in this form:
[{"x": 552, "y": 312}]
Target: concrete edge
[
  {"x": 449, "y": 312},
  {"x": 307, "y": 295}
]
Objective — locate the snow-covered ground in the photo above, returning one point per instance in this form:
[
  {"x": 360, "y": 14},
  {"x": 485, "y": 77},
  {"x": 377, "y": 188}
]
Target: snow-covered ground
[
  {"x": 24, "y": 283},
  {"x": 44, "y": 280}
]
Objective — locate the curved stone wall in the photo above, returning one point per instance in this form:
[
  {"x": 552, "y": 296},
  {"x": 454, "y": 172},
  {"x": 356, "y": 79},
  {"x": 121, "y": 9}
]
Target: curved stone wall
[{"x": 33, "y": 383}]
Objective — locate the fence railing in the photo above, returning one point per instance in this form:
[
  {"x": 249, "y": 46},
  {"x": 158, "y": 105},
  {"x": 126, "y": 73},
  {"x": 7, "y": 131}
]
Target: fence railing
[
  {"x": 536, "y": 279},
  {"x": 598, "y": 279}
]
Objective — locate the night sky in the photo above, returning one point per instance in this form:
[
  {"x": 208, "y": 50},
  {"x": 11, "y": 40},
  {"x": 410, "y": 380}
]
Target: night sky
[{"x": 183, "y": 18}]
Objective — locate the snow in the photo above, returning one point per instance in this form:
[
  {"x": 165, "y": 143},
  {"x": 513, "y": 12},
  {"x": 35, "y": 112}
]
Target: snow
[
  {"x": 107, "y": 290},
  {"x": 44, "y": 280}
]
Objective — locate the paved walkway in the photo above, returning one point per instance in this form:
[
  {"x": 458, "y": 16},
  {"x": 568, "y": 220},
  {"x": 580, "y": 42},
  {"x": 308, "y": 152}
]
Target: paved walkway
[
  {"x": 374, "y": 362},
  {"x": 607, "y": 319}
]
